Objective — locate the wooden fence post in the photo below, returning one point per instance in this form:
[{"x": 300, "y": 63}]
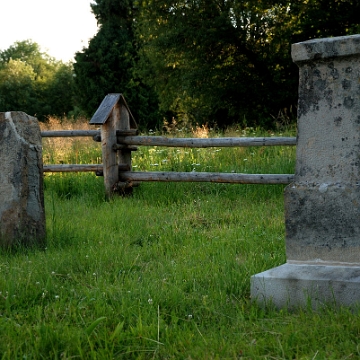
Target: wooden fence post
[
  {"x": 110, "y": 161},
  {"x": 124, "y": 152},
  {"x": 115, "y": 118}
]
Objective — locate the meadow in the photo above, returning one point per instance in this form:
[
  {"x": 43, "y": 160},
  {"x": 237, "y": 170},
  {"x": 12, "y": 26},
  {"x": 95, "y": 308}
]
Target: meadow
[{"x": 165, "y": 273}]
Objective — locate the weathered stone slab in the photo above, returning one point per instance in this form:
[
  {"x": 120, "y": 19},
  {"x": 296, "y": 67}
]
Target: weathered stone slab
[
  {"x": 318, "y": 49},
  {"x": 323, "y": 222},
  {"x": 290, "y": 286},
  {"x": 322, "y": 207},
  {"x": 22, "y": 215}
]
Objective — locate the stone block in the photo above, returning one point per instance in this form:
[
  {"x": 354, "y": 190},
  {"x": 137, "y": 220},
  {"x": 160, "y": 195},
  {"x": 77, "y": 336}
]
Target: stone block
[
  {"x": 22, "y": 215},
  {"x": 322, "y": 223},
  {"x": 322, "y": 205},
  {"x": 291, "y": 286},
  {"x": 328, "y": 144}
]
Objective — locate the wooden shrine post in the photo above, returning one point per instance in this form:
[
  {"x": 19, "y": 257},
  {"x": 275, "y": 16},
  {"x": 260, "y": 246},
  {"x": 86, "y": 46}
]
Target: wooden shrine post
[{"x": 116, "y": 120}]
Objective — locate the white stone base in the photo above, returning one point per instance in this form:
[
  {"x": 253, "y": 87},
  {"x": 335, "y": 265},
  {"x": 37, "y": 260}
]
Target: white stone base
[{"x": 293, "y": 285}]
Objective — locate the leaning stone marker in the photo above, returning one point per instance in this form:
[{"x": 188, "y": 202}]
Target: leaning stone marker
[
  {"x": 22, "y": 216},
  {"x": 322, "y": 205}
]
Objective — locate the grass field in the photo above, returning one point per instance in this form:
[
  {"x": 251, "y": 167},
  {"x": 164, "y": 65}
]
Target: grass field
[{"x": 164, "y": 274}]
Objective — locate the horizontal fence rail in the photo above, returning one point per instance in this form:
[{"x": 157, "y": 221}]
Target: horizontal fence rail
[
  {"x": 230, "y": 178},
  {"x": 73, "y": 168},
  {"x": 179, "y": 142},
  {"x": 70, "y": 133},
  {"x": 206, "y": 142},
  {"x": 98, "y": 168}
]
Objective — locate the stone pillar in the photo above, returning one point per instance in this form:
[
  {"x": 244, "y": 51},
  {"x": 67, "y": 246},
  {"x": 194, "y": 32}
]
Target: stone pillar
[
  {"x": 22, "y": 215},
  {"x": 322, "y": 205}
]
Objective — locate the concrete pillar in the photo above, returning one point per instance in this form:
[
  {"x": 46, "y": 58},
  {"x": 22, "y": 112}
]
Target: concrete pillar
[
  {"x": 322, "y": 205},
  {"x": 22, "y": 215}
]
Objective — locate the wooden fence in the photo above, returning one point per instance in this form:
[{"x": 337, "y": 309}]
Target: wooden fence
[{"x": 118, "y": 137}]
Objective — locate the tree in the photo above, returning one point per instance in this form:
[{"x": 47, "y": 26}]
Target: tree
[
  {"x": 223, "y": 61},
  {"x": 60, "y": 90},
  {"x": 16, "y": 86},
  {"x": 324, "y": 18},
  {"x": 107, "y": 65},
  {"x": 34, "y": 82},
  {"x": 211, "y": 58},
  {"x": 30, "y": 53}
]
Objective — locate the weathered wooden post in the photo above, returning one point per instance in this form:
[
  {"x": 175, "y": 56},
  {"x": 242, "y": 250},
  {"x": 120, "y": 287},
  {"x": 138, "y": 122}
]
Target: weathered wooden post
[
  {"x": 22, "y": 215},
  {"x": 322, "y": 205},
  {"x": 115, "y": 119}
]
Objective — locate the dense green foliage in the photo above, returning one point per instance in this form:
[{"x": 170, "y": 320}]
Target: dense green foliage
[
  {"x": 198, "y": 61},
  {"x": 108, "y": 64},
  {"x": 33, "y": 82},
  {"x": 221, "y": 61},
  {"x": 208, "y": 61}
]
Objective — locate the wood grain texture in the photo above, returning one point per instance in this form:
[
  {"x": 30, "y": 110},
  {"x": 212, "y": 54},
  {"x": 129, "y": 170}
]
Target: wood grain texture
[
  {"x": 231, "y": 178},
  {"x": 204, "y": 143}
]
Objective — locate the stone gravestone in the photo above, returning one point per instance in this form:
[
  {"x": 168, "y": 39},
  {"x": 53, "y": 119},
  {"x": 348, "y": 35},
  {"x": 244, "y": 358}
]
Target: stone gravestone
[
  {"x": 322, "y": 205},
  {"x": 22, "y": 216}
]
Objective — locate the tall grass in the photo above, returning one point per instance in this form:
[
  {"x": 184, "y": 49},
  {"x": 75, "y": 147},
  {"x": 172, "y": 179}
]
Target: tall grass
[{"x": 163, "y": 274}]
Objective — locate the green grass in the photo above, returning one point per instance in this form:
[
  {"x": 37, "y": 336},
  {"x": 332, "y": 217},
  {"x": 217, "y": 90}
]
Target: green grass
[{"x": 164, "y": 274}]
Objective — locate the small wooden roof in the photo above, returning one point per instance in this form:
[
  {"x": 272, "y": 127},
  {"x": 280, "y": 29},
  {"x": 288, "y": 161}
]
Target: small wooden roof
[{"x": 104, "y": 110}]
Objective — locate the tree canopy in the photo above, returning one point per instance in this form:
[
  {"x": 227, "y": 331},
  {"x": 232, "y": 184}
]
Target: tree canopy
[
  {"x": 204, "y": 61},
  {"x": 226, "y": 61},
  {"x": 33, "y": 82},
  {"x": 108, "y": 64}
]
